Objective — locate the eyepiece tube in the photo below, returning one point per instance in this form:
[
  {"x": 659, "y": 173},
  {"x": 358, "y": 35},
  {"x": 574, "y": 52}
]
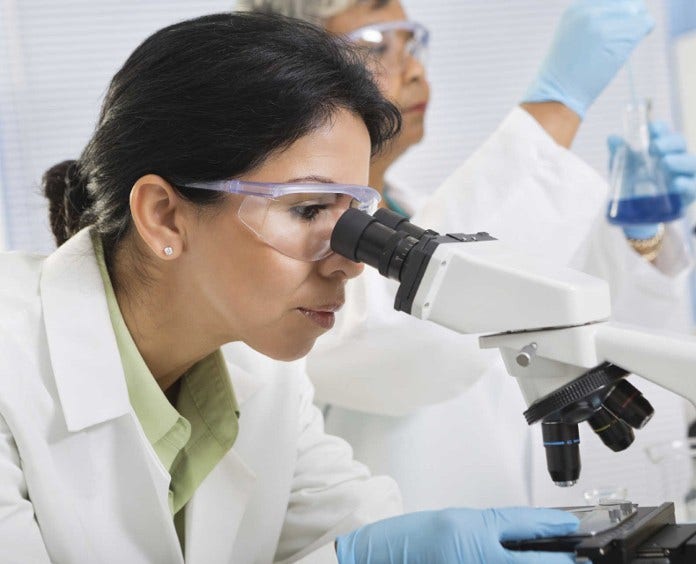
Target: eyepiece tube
[
  {"x": 362, "y": 238},
  {"x": 398, "y": 222},
  {"x": 627, "y": 403},
  {"x": 562, "y": 444}
]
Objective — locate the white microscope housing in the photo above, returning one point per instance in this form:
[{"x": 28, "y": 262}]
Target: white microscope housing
[{"x": 549, "y": 322}]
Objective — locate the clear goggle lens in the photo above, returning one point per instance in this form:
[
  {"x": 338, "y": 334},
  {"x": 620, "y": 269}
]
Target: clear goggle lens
[
  {"x": 393, "y": 44},
  {"x": 298, "y": 225},
  {"x": 295, "y": 219}
]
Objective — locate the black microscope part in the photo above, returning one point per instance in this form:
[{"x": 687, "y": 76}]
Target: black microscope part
[
  {"x": 398, "y": 222},
  {"x": 363, "y": 238},
  {"x": 627, "y": 403},
  {"x": 394, "y": 246},
  {"x": 613, "y": 432},
  {"x": 597, "y": 380},
  {"x": 584, "y": 399},
  {"x": 651, "y": 536},
  {"x": 562, "y": 445}
]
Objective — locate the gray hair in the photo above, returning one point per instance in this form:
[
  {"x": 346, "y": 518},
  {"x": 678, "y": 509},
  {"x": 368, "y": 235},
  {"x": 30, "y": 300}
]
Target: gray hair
[{"x": 314, "y": 11}]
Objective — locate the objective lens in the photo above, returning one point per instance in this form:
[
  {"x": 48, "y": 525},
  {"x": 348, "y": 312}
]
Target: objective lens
[
  {"x": 362, "y": 238},
  {"x": 562, "y": 443},
  {"x": 614, "y": 433},
  {"x": 628, "y": 404}
]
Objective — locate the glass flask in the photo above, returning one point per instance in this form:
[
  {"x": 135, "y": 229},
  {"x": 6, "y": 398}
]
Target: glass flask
[{"x": 637, "y": 187}]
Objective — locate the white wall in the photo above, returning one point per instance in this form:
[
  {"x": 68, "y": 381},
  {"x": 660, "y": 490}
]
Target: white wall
[
  {"x": 685, "y": 75},
  {"x": 56, "y": 59},
  {"x": 3, "y": 236}
]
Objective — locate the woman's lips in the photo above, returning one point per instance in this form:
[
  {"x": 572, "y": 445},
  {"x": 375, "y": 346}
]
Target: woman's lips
[
  {"x": 416, "y": 108},
  {"x": 323, "y": 316},
  {"x": 325, "y": 319}
]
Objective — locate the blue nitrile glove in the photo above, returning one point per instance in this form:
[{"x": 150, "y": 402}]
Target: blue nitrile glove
[
  {"x": 593, "y": 40},
  {"x": 470, "y": 536},
  {"x": 676, "y": 165}
]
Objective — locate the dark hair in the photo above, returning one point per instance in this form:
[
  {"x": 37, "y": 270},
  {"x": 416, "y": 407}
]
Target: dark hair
[{"x": 209, "y": 99}]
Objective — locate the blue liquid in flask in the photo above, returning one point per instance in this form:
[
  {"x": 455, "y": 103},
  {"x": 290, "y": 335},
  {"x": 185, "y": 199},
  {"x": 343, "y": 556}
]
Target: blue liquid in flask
[{"x": 645, "y": 209}]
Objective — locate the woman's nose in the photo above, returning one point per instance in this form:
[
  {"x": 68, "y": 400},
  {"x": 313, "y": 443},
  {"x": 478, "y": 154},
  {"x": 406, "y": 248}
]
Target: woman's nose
[
  {"x": 336, "y": 265},
  {"x": 413, "y": 69}
]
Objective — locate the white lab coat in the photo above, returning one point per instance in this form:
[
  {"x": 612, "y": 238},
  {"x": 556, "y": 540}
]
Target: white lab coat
[
  {"x": 430, "y": 408},
  {"x": 79, "y": 481}
]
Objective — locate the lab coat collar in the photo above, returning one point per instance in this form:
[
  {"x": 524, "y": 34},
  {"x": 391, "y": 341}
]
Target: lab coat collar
[
  {"x": 84, "y": 354},
  {"x": 81, "y": 343},
  {"x": 91, "y": 386}
]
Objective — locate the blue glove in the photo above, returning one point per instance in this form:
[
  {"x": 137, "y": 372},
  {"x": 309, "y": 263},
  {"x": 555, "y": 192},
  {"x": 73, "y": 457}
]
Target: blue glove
[
  {"x": 593, "y": 40},
  {"x": 457, "y": 535},
  {"x": 678, "y": 169}
]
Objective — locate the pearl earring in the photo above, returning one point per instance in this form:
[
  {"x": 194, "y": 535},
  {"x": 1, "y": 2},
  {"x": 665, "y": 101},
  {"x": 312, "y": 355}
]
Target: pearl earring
[{"x": 168, "y": 251}]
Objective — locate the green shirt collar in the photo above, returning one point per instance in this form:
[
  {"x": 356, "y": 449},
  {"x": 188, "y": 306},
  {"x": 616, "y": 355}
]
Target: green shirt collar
[{"x": 191, "y": 439}]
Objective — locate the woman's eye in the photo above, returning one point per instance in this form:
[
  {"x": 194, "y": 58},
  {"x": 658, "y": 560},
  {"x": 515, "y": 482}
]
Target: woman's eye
[
  {"x": 378, "y": 50},
  {"x": 374, "y": 49},
  {"x": 309, "y": 212}
]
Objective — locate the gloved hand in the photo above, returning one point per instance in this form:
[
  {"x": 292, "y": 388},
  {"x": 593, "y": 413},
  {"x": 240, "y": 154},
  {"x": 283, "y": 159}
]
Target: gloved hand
[
  {"x": 450, "y": 536},
  {"x": 678, "y": 169},
  {"x": 593, "y": 40}
]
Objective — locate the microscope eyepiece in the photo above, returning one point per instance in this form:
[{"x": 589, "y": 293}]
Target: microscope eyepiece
[
  {"x": 398, "y": 222},
  {"x": 364, "y": 238},
  {"x": 627, "y": 403},
  {"x": 562, "y": 444}
]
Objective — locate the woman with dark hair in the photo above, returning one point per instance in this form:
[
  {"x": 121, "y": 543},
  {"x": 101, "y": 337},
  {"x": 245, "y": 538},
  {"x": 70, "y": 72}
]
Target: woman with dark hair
[{"x": 200, "y": 213}]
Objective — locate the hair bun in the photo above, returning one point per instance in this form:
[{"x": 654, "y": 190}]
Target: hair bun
[
  {"x": 65, "y": 187},
  {"x": 76, "y": 187}
]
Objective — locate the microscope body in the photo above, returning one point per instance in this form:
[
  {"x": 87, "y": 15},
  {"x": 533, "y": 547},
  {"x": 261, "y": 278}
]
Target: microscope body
[{"x": 550, "y": 323}]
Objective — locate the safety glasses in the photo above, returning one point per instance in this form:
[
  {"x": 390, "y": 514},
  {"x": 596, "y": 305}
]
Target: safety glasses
[
  {"x": 393, "y": 44},
  {"x": 295, "y": 219}
]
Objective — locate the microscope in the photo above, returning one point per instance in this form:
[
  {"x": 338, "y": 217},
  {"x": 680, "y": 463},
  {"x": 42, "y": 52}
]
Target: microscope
[{"x": 551, "y": 325}]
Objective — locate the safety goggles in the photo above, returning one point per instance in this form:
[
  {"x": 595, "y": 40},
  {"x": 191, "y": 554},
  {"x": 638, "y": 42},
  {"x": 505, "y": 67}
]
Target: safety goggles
[
  {"x": 393, "y": 44},
  {"x": 295, "y": 219}
]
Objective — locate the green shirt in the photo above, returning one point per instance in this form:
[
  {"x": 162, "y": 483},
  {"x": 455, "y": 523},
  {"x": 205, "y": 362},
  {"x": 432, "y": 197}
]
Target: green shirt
[{"x": 193, "y": 437}]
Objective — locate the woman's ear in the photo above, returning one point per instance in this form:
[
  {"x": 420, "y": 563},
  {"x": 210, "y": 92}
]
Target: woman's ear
[{"x": 158, "y": 215}]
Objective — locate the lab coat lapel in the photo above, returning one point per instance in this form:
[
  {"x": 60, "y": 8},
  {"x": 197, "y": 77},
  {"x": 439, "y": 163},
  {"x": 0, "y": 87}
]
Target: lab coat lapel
[
  {"x": 92, "y": 390},
  {"x": 215, "y": 512},
  {"x": 83, "y": 351}
]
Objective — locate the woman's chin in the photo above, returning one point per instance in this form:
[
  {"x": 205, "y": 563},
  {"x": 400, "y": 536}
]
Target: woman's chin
[
  {"x": 289, "y": 353},
  {"x": 414, "y": 134}
]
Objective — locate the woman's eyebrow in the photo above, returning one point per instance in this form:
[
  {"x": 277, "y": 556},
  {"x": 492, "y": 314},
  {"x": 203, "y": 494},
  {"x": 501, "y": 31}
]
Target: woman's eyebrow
[{"x": 311, "y": 178}]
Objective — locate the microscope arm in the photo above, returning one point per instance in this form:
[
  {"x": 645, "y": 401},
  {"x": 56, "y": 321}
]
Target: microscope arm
[
  {"x": 543, "y": 361},
  {"x": 667, "y": 359}
]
